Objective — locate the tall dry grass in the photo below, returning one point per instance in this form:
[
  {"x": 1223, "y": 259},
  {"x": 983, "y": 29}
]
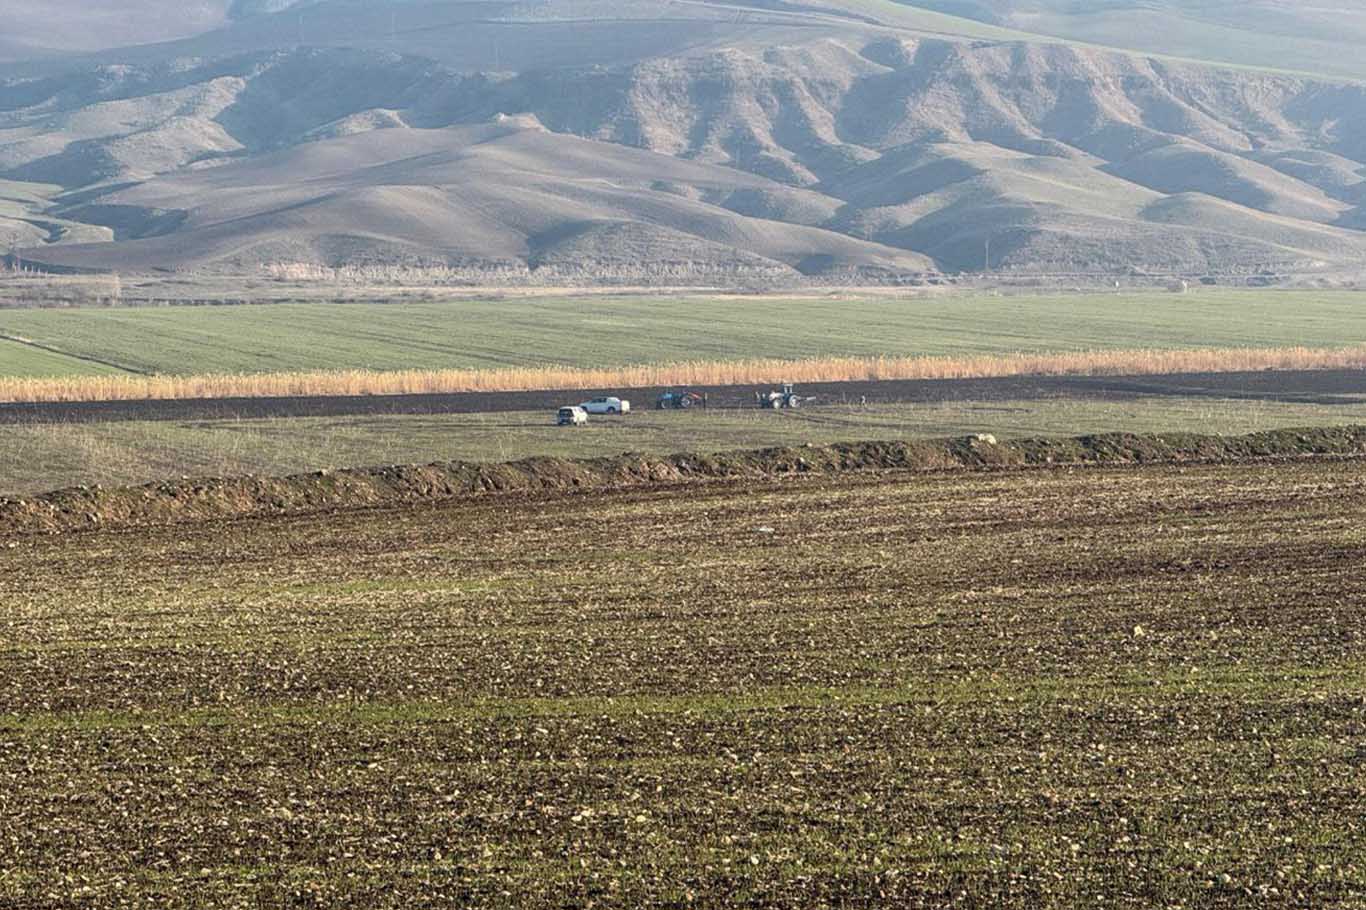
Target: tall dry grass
[{"x": 700, "y": 373}]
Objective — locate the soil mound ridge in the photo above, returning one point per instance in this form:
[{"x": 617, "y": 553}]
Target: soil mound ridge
[{"x": 241, "y": 497}]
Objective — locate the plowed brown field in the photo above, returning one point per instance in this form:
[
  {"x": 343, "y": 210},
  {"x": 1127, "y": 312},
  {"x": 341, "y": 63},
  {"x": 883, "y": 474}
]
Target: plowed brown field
[{"x": 1103, "y": 687}]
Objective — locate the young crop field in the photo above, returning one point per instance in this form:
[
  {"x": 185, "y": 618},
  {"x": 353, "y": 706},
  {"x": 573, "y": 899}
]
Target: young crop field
[
  {"x": 18, "y": 359},
  {"x": 614, "y": 332},
  {"x": 39, "y": 457},
  {"x": 1118, "y": 687}
]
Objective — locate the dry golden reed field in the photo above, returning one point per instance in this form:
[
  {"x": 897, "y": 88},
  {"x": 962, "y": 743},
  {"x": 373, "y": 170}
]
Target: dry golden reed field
[{"x": 694, "y": 373}]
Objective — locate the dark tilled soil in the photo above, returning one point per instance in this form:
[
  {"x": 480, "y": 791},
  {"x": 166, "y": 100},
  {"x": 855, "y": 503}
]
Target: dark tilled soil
[
  {"x": 1307, "y": 387},
  {"x": 1067, "y": 689}
]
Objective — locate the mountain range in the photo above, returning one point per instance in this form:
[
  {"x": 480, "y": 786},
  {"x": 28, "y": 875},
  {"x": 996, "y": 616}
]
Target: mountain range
[{"x": 669, "y": 140}]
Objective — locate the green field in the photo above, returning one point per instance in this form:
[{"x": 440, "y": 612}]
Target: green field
[
  {"x": 590, "y": 332},
  {"x": 17, "y": 359},
  {"x": 37, "y": 458}
]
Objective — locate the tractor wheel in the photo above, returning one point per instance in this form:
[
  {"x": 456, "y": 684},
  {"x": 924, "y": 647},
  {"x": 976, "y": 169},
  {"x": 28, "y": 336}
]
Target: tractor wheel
[{"x": 685, "y": 403}]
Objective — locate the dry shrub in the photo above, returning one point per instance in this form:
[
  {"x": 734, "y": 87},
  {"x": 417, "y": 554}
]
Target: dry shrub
[
  {"x": 699, "y": 373},
  {"x": 394, "y": 273},
  {"x": 24, "y": 287}
]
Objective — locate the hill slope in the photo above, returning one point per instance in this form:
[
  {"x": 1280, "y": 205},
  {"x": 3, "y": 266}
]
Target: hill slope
[
  {"x": 1309, "y": 36},
  {"x": 831, "y": 141},
  {"x": 469, "y": 35},
  {"x": 498, "y": 199},
  {"x": 36, "y": 29}
]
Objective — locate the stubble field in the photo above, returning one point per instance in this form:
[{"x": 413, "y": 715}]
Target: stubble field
[{"x": 1061, "y": 688}]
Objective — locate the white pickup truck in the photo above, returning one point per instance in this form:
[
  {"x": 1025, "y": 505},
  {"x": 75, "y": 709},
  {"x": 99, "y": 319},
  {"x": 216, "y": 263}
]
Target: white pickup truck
[
  {"x": 607, "y": 405},
  {"x": 571, "y": 417}
]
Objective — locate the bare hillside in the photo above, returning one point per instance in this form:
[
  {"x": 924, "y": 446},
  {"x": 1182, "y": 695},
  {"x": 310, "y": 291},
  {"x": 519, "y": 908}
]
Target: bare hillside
[
  {"x": 1310, "y": 36},
  {"x": 44, "y": 28},
  {"x": 500, "y": 199},
  {"x": 673, "y": 139}
]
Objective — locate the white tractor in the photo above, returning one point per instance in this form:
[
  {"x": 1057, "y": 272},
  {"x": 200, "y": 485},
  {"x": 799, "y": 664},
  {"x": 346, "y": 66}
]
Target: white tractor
[{"x": 787, "y": 398}]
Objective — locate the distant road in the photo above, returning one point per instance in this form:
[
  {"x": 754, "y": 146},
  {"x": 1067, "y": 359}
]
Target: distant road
[{"x": 1312, "y": 387}]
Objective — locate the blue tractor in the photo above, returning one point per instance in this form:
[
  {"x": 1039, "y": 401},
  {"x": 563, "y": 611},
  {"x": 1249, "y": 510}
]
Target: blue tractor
[{"x": 680, "y": 401}]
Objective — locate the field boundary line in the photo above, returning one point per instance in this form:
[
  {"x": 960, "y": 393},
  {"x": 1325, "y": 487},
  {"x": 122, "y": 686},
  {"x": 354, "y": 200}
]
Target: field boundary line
[{"x": 83, "y": 358}]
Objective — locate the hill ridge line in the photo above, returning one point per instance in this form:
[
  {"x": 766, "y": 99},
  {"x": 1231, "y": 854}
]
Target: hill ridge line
[{"x": 216, "y": 499}]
